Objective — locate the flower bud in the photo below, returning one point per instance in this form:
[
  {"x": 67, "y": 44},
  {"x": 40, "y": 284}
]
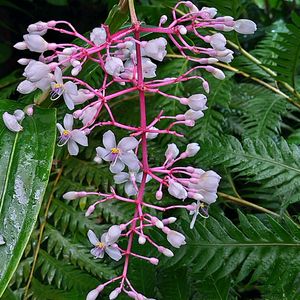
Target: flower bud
[
  {"x": 182, "y": 29},
  {"x": 29, "y": 110},
  {"x": 24, "y": 61},
  {"x": 193, "y": 115},
  {"x": 98, "y": 36},
  {"x": 26, "y": 87},
  {"x": 142, "y": 240},
  {"x": 216, "y": 72},
  {"x": 197, "y": 102},
  {"x": 156, "y": 49},
  {"x": 93, "y": 294},
  {"x": 114, "y": 66},
  {"x": 208, "y": 12},
  {"x": 158, "y": 195},
  {"x": 114, "y": 294},
  {"x": 39, "y": 28},
  {"x": 152, "y": 135},
  {"x": 177, "y": 190},
  {"x": 154, "y": 261},
  {"x": 176, "y": 239},
  {"x": 20, "y": 46},
  {"x": 171, "y": 152},
  {"x": 74, "y": 195},
  {"x": 163, "y": 20},
  {"x": 35, "y": 43},
  {"x": 169, "y": 220},
  {"x": 192, "y": 149},
  {"x": 167, "y": 252},
  {"x": 90, "y": 210},
  {"x": 244, "y": 26},
  {"x": 19, "y": 114}
]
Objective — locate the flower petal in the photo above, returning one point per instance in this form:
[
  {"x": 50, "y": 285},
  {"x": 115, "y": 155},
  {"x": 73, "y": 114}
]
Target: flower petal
[
  {"x": 109, "y": 140},
  {"x": 114, "y": 253},
  {"x": 73, "y": 147},
  {"x": 58, "y": 75},
  {"x": 130, "y": 159},
  {"x": 113, "y": 234},
  {"x": 71, "y": 88},
  {"x": 92, "y": 237},
  {"x": 60, "y": 128},
  {"x": 69, "y": 101},
  {"x": 103, "y": 153},
  {"x": 97, "y": 252},
  {"x": 79, "y": 137},
  {"x": 117, "y": 166},
  {"x": 121, "y": 177},
  {"x": 68, "y": 122},
  {"x": 128, "y": 143},
  {"x": 11, "y": 122},
  {"x": 130, "y": 189}
]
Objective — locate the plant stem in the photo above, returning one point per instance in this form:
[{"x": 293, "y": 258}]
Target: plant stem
[
  {"x": 133, "y": 16},
  {"x": 247, "y": 203}
]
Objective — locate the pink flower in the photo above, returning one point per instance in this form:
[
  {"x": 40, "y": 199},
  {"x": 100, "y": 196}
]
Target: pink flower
[
  {"x": 39, "y": 28},
  {"x": 119, "y": 155},
  {"x": 70, "y": 136},
  {"x": 114, "y": 66},
  {"x": 35, "y": 43},
  {"x": 98, "y": 36},
  {"x": 107, "y": 244},
  {"x": 155, "y": 49}
]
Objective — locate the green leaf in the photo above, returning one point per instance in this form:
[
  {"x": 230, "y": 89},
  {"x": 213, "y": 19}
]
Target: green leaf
[
  {"x": 25, "y": 164},
  {"x": 117, "y": 17}
]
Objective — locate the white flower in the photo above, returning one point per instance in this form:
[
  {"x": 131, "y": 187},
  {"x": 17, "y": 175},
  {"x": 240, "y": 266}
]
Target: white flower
[
  {"x": 148, "y": 68},
  {"x": 226, "y": 56},
  {"x": 36, "y": 70},
  {"x": 171, "y": 152},
  {"x": 35, "y": 43},
  {"x": 119, "y": 155},
  {"x": 12, "y": 121},
  {"x": 82, "y": 96},
  {"x": 155, "y": 49},
  {"x": 192, "y": 149},
  {"x": 177, "y": 190},
  {"x": 207, "y": 185},
  {"x": 2, "y": 242},
  {"x": 199, "y": 208},
  {"x": 218, "y": 41},
  {"x": 71, "y": 137},
  {"x": 114, "y": 66},
  {"x": 176, "y": 239},
  {"x": 245, "y": 26},
  {"x": 93, "y": 294},
  {"x": 130, "y": 179},
  {"x": 107, "y": 243},
  {"x": 26, "y": 86},
  {"x": 197, "y": 102},
  {"x": 89, "y": 115},
  {"x": 68, "y": 89},
  {"x": 98, "y": 36},
  {"x": 192, "y": 7},
  {"x": 39, "y": 28}
]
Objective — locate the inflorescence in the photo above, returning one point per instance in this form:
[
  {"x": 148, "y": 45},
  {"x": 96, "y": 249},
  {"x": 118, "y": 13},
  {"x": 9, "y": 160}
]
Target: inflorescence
[{"x": 129, "y": 60}]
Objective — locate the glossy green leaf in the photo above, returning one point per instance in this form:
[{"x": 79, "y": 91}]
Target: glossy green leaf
[
  {"x": 117, "y": 17},
  {"x": 25, "y": 162}
]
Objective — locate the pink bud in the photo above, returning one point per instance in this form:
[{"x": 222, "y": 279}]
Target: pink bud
[
  {"x": 122, "y": 227},
  {"x": 205, "y": 86},
  {"x": 90, "y": 210},
  {"x": 24, "y": 61},
  {"x": 20, "y": 46},
  {"x": 182, "y": 29},
  {"x": 158, "y": 195},
  {"x": 29, "y": 110},
  {"x": 163, "y": 20},
  {"x": 169, "y": 220},
  {"x": 167, "y": 252},
  {"x": 154, "y": 261},
  {"x": 114, "y": 294}
]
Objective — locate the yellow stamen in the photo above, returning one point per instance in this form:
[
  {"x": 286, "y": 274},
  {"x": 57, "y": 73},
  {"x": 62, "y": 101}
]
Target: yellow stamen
[
  {"x": 115, "y": 151},
  {"x": 58, "y": 85},
  {"x": 66, "y": 132},
  {"x": 100, "y": 245},
  {"x": 202, "y": 205}
]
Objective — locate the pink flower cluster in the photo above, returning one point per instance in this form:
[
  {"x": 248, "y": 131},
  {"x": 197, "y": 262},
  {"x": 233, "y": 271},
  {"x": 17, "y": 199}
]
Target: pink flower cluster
[{"x": 131, "y": 61}]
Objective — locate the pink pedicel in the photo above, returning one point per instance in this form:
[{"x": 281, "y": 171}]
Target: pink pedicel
[{"x": 129, "y": 60}]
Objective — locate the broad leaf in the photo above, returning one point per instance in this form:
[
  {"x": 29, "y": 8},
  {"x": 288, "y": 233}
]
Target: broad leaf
[{"x": 25, "y": 163}]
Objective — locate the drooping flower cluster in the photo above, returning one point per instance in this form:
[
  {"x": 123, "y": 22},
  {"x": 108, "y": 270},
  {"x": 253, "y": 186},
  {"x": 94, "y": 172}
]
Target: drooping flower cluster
[{"x": 127, "y": 59}]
